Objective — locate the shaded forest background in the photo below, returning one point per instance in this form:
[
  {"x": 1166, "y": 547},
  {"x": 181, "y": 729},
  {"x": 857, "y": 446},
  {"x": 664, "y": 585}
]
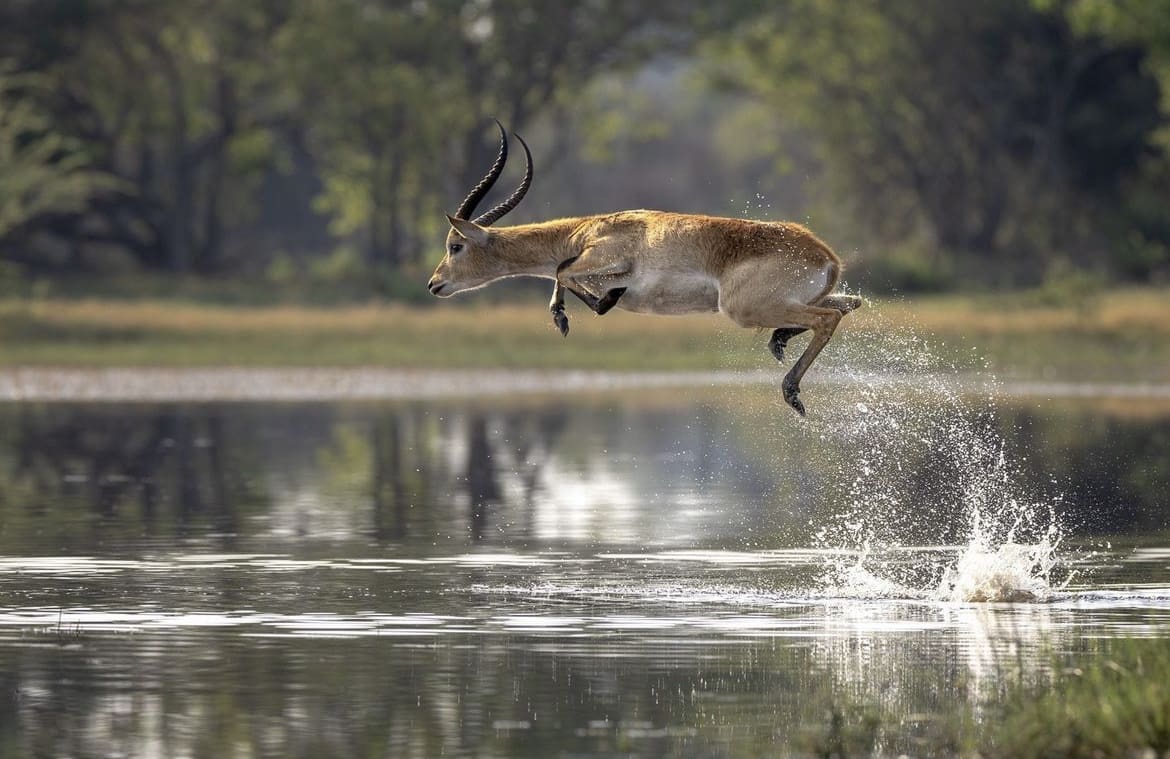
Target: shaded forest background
[{"x": 308, "y": 149}]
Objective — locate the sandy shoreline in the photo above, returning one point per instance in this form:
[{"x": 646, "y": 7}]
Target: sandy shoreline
[{"x": 339, "y": 384}]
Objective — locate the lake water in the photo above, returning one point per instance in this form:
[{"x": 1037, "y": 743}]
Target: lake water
[{"x": 661, "y": 572}]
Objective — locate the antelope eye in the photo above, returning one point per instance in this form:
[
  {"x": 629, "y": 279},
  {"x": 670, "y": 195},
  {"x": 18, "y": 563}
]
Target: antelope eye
[{"x": 456, "y": 247}]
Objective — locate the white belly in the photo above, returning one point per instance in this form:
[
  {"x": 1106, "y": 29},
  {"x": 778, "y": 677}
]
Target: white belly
[{"x": 670, "y": 293}]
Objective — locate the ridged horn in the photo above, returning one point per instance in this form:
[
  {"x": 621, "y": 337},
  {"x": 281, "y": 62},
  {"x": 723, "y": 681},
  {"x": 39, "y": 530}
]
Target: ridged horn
[
  {"x": 486, "y": 219},
  {"x": 467, "y": 207}
]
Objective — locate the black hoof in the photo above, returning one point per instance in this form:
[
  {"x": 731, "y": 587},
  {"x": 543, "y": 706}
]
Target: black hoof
[
  {"x": 561, "y": 321},
  {"x": 609, "y": 300},
  {"x": 792, "y": 397}
]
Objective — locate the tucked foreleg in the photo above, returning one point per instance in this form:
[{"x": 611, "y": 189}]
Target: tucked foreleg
[
  {"x": 556, "y": 306},
  {"x": 592, "y": 272}
]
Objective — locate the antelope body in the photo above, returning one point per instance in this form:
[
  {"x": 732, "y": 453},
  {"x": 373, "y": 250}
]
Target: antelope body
[{"x": 775, "y": 275}]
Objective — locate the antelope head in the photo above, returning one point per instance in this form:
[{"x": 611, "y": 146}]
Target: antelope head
[{"x": 470, "y": 262}]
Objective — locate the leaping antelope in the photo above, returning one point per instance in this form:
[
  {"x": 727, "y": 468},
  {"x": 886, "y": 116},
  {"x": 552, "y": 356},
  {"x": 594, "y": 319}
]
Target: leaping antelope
[{"x": 761, "y": 274}]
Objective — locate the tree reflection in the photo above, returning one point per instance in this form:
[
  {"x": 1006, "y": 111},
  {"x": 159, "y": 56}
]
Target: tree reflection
[
  {"x": 416, "y": 473},
  {"x": 670, "y": 694},
  {"x": 423, "y": 480},
  {"x": 389, "y": 478},
  {"x": 137, "y": 469},
  {"x": 481, "y": 476}
]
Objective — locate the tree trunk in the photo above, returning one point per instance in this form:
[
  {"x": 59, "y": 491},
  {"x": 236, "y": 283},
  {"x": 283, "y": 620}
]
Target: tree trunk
[{"x": 178, "y": 225}]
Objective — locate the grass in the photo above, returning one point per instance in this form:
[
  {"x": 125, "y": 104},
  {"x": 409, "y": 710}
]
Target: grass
[
  {"x": 1117, "y": 706},
  {"x": 1124, "y": 335},
  {"x": 1115, "y": 703}
]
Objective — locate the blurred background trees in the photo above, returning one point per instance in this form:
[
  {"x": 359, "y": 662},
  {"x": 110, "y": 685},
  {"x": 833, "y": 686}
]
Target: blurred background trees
[{"x": 316, "y": 143}]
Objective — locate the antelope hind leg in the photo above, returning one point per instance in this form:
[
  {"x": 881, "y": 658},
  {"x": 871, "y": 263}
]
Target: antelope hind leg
[
  {"x": 837, "y": 302},
  {"x": 822, "y": 321},
  {"x": 840, "y": 302},
  {"x": 780, "y": 338}
]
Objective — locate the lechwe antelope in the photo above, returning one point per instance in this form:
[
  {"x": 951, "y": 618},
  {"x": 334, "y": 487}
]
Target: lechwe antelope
[{"x": 758, "y": 273}]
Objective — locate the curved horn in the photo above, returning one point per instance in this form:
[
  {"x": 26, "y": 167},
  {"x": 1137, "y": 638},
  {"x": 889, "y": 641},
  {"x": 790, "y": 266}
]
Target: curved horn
[
  {"x": 485, "y": 219},
  {"x": 472, "y": 200}
]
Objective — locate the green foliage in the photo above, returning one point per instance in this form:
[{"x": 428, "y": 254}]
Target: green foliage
[
  {"x": 1068, "y": 286},
  {"x": 282, "y": 270},
  {"x": 1119, "y": 707},
  {"x": 179, "y": 101},
  {"x": 1145, "y": 21},
  {"x": 990, "y": 139},
  {"x": 343, "y": 264},
  {"x": 377, "y": 87},
  {"x": 42, "y": 173},
  {"x": 906, "y": 269},
  {"x": 986, "y": 125}
]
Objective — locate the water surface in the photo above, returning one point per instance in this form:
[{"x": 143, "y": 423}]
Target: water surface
[{"x": 658, "y": 572}]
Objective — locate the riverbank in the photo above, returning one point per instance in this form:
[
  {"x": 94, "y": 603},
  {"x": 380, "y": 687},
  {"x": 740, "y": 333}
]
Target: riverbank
[
  {"x": 338, "y": 384},
  {"x": 1119, "y": 336}
]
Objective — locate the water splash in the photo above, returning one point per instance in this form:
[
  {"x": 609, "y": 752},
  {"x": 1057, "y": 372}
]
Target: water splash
[
  {"x": 931, "y": 492},
  {"x": 1010, "y": 572}
]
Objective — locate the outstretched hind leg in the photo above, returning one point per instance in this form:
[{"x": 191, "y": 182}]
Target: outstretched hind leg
[
  {"x": 780, "y": 338},
  {"x": 748, "y": 303},
  {"x": 841, "y": 302},
  {"x": 822, "y": 321}
]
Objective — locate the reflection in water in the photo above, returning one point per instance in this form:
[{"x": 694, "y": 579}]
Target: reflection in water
[
  {"x": 684, "y": 473},
  {"x": 607, "y": 577}
]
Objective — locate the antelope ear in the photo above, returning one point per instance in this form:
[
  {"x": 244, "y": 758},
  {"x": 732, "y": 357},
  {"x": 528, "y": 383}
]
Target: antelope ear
[{"x": 470, "y": 230}]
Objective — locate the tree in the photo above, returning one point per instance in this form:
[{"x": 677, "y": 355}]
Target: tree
[
  {"x": 375, "y": 101},
  {"x": 195, "y": 106},
  {"x": 399, "y": 96},
  {"x": 963, "y": 124},
  {"x": 1140, "y": 225},
  {"x": 46, "y": 175},
  {"x": 176, "y": 99}
]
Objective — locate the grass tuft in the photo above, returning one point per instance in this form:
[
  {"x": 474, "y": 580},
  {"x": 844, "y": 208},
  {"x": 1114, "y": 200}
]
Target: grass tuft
[{"x": 1119, "y": 706}]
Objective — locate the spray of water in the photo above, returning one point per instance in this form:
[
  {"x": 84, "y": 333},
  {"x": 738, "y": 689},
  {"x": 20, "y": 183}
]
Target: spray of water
[{"x": 930, "y": 501}]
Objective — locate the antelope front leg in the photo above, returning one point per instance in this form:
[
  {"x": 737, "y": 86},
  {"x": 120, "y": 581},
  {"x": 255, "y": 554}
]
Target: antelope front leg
[
  {"x": 589, "y": 273},
  {"x": 557, "y": 307}
]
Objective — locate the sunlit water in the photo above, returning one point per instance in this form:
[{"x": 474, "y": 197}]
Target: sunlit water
[
  {"x": 917, "y": 462},
  {"x": 674, "y": 573}
]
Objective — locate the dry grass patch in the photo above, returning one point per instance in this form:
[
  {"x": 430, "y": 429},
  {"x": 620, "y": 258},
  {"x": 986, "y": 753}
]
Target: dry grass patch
[
  {"x": 1145, "y": 311},
  {"x": 1122, "y": 337}
]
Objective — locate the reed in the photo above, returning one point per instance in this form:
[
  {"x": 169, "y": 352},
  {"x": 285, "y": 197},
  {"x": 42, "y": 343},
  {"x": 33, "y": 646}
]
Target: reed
[{"x": 1117, "y": 705}]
